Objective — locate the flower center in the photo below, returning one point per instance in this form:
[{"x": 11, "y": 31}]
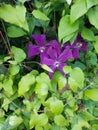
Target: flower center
[
  {"x": 79, "y": 45},
  {"x": 42, "y": 49},
  {"x": 57, "y": 63}
]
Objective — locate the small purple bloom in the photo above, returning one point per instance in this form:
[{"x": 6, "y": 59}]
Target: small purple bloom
[
  {"x": 41, "y": 47},
  {"x": 56, "y": 60},
  {"x": 79, "y": 44}
]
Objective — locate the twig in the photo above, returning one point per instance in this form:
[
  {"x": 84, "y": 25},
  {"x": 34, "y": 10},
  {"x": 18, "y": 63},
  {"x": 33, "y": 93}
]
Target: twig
[
  {"x": 79, "y": 93},
  {"x": 6, "y": 36}
]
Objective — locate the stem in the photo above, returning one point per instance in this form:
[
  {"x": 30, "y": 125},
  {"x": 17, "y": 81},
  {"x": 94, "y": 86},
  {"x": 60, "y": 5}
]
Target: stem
[
  {"x": 4, "y": 42},
  {"x": 9, "y": 50},
  {"x": 79, "y": 93}
]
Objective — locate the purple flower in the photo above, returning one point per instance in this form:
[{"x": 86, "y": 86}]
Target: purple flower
[
  {"x": 56, "y": 60},
  {"x": 41, "y": 47},
  {"x": 79, "y": 44}
]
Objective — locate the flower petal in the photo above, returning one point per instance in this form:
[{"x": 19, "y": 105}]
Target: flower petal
[
  {"x": 55, "y": 45},
  {"x": 61, "y": 67},
  {"x": 75, "y": 53},
  {"x": 65, "y": 55},
  {"x": 32, "y": 50},
  {"x": 84, "y": 46},
  {"x": 39, "y": 39},
  {"x": 47, "y": 61},
  {"x": 52, "y": 53}
]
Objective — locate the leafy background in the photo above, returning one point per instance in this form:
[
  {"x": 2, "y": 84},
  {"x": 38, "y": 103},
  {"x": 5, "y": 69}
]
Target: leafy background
[{"x": 29, "y": 99}]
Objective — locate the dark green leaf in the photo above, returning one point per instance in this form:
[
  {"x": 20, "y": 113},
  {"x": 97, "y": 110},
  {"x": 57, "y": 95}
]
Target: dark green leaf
[
  {"x": 18, "y": 32},
  {"x": 88, "y": 34}
]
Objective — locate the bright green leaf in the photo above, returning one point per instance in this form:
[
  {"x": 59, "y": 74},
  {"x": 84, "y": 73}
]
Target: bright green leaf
[
  {"x": 8, "y": 86},
  {"x": 66, "y": 28},
  {"x": 73, "y": 84},
  {"x": 18, "y": 32},
  {"x": 19, "y": 54},
  {"x": 15, "y": 120},
  {"x": 92, "y": 94},
  {"x": 92, "y": 14},
  {"x": 40, "y": 15},
  {"x": 60, "y": 120},
  {"x": 38, "y": 120},
  {"x": 25, "y": 83},
  {"x": 78, "y": 9},
  {"x": 96, "y": 44},
  {"x": 45, "y": 67},
  {"x": 43, "y": 78},
  {"x": 88, "y": 34},
  {"x": 67, "y": 69},
  {"x": 14, "y": 15},
  {"x": 14, "y": 69},
  {"x": 56, "y": 106},
  {"x": 41, "y": 89},
  {"x": 77, "y": 77},
  {"x": 91, "y": 3}
]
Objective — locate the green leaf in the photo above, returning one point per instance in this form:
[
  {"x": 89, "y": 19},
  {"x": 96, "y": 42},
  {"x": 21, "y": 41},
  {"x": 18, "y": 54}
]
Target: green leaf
[
  {"x": 41, "y": 89},
  {"x": 40, "y": 15},
  {"x": 14, "y": 15},
  {"x": 67, "y": 69},
  {"x": 56, "y": 106},
  {"x": 73, "y": 84},
  {"x": 8, "y": 86},
  {"x": 38, "y": 120},
  {"x": 58, "y": 78},
  {"x": 96, "y": 44},
  {"x": 19, "y": 54},
  {"x": 92, "y": 94},
  {"x": 18, "y": 32},
  {"x": 45, "y": 67},
  {"x": 66, "y": 28},
  {"x": 14, "y": 69},
  {"x": 76, "y": 79},
  {"x": 91, "y": 3},
  {"x": 78, "y": 9},
  {"x": 15, "y": 120},
  {"x": 43, "y": 78},
  {"x": 92, "y": 14},
  {"x": 60, "y": 120},
  {"x": 25, "y": 83},
  {"x": 88, "y": 34},
  {"x": 91, "y": 58}
]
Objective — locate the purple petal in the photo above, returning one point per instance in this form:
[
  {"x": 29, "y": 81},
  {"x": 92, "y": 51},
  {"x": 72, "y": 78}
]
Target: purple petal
[
  {"x": 65, "y": 55},
  {"x": 47, "y": 61},
  {"x": 61, "y": 67},
  {"x": 52, "y": 53},
  {"x": 84, "y": 46},
  {"x": 75, "y": 53},
  {"x": 39, "y": 39},
  {"x": 54, "y": 44},
  {"x": 32, "y": 50},
  {"x": 50, "y": 73}
]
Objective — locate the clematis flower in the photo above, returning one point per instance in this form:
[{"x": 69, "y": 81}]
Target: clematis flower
[
  {"x": 79, "y": 44},
  {"x": 57, "y": 60},
  {"x": 41, "y": 47}
]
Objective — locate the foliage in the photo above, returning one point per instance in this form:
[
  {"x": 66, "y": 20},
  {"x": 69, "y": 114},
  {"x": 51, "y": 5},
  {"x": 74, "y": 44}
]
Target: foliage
[{"x": 48, "y": 64}]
